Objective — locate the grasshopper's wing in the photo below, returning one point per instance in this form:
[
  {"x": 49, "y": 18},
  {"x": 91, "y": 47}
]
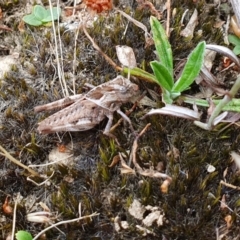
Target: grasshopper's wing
[{"x": 80, "y": 116}]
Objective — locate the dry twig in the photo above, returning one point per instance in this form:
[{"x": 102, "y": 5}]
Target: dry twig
[
  {"x": 6, "y": 154},
  {"x": 108, "y": 59}
]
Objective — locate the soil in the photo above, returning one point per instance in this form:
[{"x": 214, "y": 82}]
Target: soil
[{"x": 195, "y": 205}]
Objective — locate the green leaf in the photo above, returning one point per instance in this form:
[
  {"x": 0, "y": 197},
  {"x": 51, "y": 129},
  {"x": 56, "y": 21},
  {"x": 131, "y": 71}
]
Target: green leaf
[
  {"x": 56, "y": 13},
  {"x": 41, "y": 16},
  {"x": 23, "y": 235},
  {"x": 191, "y": 69},
  {"x": 32, "y": 20},
  {"x": 40, "y": 12},
  {"x": 234, "y": 39},
  {"x": 163, "y": 47},
  {"x": 164, "y": 78},
  {"x": 236, "y": 50}
]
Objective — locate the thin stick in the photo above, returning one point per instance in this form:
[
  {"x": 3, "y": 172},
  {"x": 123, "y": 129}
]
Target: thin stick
[
  {"x": 51, "y": 163},
  {"x": 149, "y": 172},
  {"x": 42, "y": 183},
  {"x": 59, "y": 66},
  {"x": 135, "y": 146},
  {"x": 229, "y": 185},
  {"x": 223, "y": 102},
  {"x": 236, "y": 9},
  {"x": 75, "y": 60},
  {"x": 6, "y": 154},
  {"x": 108, "y": 59},
  {"x": 168, "y": 6},
  {"x": 14, "y": 217},
  {"x": 64, "y": 222}
]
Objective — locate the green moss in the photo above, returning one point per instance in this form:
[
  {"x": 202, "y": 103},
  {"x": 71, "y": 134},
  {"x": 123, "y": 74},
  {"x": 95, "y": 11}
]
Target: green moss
[
  {"x": 146, "y": 192},
  {"x": 188, "y": 205}
]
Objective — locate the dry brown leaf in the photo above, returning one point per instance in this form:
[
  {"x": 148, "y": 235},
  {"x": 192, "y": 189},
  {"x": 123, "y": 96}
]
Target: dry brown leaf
[
  {"x": 165, "y": 185},
  {"x": 125, "y": 169},
  {"x": 234, "y": 26},
  {"x": 223, "y": 203},
  {"x": 39, "y": 217},
  {"x": 228, "y": 220},
  {"x": 218, "y": 24},
  {"x": 152, "y": 173},
  {"x": 115, "y": 161},
  {"x": 126, "y": 56},
  {"x": 21, "y": 26},
  {"x": 225, "y": 173},
  {"x": 6, "y": 207},
  {"x": 189, "y": 29},
  {"x": 44, "y": 206},
  {"x": 236, "y": 158}
]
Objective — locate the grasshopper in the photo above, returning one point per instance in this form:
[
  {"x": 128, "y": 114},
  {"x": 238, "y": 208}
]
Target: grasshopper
[{"x": 84, "y": 111}]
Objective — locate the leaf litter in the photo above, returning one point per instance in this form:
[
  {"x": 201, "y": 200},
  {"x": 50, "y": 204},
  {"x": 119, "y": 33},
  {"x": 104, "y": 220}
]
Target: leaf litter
[{"x": 173, "y": 205}]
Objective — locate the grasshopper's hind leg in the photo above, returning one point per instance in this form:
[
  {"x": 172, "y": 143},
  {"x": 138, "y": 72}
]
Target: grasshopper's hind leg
[
  {"x": 126, "y": 118},
  {"x": 61, "y": 103},
  {"x": 108, "y": 127}
]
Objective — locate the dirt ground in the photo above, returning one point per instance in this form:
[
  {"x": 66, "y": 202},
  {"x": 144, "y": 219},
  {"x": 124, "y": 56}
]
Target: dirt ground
[{"x": 202, "y": 198}]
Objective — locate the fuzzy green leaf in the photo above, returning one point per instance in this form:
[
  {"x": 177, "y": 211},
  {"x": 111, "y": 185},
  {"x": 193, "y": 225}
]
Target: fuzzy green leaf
[
  {"x": 164, "y": 78},
  {"x": 234, "y": 39},
  {"x": 163, "y": 47},
  {"x": 236, "y": 50},
  {"x": 23, "y": 235},
  {"x": 191, "y": 69},
  {"x": 32, "y": 20},
  {"x": 40, "y": 12},
  {"x": 56, "y": 13}
]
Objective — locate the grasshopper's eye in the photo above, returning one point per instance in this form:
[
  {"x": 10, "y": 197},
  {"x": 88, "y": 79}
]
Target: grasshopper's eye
[{"x": 123, "y": 89}]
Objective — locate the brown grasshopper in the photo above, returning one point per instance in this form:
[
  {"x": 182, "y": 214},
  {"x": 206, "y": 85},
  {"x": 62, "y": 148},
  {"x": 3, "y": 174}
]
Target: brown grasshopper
[{"x": 88, "y": 110}]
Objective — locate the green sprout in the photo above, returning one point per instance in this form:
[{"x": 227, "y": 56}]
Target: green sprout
[
  {"x": 163, "y": 69},
  {"x": 23, "y": 235},
  {"x": 171, "y": 89},
  {"x": 41, "y": 16},
  {"x": 235, "y": 41}
]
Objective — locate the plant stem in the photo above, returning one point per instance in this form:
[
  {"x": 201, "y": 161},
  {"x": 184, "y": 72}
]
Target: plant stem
[
  {"x": 227, "y": 98},
  {"x": 6, "y": 154},
  {"x": 140, "y": 73},
  {"x": 232, "y": 106}
]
